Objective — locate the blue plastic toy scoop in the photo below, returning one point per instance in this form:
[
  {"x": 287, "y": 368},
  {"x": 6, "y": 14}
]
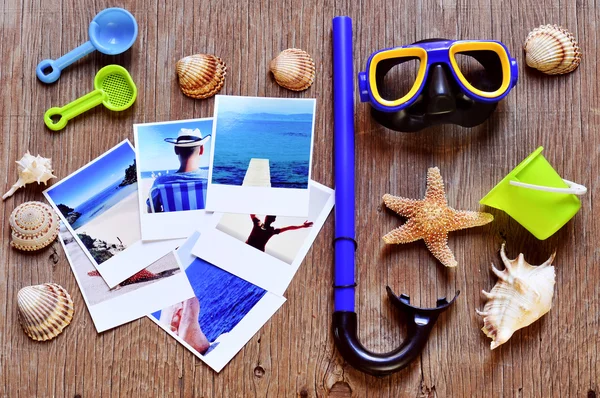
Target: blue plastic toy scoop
[{"x": 111, "y": 32}]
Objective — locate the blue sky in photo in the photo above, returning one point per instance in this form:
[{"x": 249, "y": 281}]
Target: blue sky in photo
[
  {"x": 156, "y": 154},
  {"x": 276, "y": 106},
  {"x": 94, "y": 178}
]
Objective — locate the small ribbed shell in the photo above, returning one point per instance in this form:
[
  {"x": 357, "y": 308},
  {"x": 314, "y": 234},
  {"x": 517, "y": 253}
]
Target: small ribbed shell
[
  {"x": 293, "y": 69},
  {"x": 201, "y": 75},
  {"x": 522, "y": 295},
  {"x": 34, "y": 226},
  {"x": 552, "y": 49},
  {"x": 44, "y": 310}
]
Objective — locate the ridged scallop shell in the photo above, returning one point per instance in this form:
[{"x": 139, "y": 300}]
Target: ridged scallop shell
[
  {"x": 34, "y": 226},
  {"x": 521, "y": 296},
  {"x": 44, "y": 310},
  {"x": 293, "y": 69},
  {"x": 552, "y": 49},
  {"x": 201, "y": 75}
]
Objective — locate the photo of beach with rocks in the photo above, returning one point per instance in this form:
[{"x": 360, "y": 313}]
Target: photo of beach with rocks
[{"x": 99, "y": 202}]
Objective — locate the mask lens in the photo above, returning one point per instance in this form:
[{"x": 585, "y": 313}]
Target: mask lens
[
  {"x": 482, "y": 69},
  {"x": 395, "y": 77}
]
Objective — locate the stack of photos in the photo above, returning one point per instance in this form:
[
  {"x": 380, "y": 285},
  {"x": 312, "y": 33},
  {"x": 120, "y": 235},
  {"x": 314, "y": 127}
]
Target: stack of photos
[
  {"x": 201, "y": 227},
  {"x": 99, "y": 205},
  {"x": 133, "y": 298},
  {"x": 224, "y": 314}
]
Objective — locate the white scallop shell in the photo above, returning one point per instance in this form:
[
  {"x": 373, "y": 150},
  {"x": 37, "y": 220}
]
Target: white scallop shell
[
  {"x": 44, "y": 310},
  {"x": 552, "y": 49},
  {"x": 32, "y": 169},
  {"x": 521, "y": 296},
  {"x": 34, "y": 226}
]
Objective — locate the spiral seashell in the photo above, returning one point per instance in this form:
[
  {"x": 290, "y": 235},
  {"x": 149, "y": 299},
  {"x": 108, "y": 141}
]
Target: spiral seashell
[
  {"x": 44, "y": 310},
  {"x": 552, "y": 49},
  {"x": 521, "y": 296},
  {"x": 201, "y": 75},
  {"x": 293, "y": 69},
  {"x": 34, "y": 226}
]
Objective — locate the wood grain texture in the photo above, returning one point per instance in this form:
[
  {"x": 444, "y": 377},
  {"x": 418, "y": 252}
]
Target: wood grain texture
[{"x": 293, "y": 354}]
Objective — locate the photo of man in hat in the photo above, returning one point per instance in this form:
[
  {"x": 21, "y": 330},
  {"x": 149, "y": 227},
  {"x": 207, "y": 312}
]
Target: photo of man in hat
[{"x": 186, "y": 188}]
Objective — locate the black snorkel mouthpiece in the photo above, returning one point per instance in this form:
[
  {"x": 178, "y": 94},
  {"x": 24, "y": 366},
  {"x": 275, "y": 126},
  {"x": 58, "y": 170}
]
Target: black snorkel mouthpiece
[{"x": 419, "y": 321}]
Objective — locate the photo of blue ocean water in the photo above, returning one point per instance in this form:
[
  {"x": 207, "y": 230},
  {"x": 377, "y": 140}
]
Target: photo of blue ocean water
[
  {"x": 281, "y": 134},
  {"x": 224, "y": 298}
]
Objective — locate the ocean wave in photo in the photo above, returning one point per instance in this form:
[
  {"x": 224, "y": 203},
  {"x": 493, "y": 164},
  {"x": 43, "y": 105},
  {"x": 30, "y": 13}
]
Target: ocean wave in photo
[
  {"x": 285, "y": 143},
  {"x": 101, "y": 202}
]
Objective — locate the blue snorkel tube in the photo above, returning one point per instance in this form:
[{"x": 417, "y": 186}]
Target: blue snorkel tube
[{"x": 420, "y": 320}]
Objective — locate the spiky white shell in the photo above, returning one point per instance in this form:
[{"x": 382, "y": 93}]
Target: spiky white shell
[
  {"x": 521, "y": 296},
  {"x": 44, "y": 310},
  {"x": 552, "y": 49},
  {"x": 32, "y": 169}
]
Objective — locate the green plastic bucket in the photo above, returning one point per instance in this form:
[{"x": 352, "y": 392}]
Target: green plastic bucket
[{"x": 536, "y": 196}]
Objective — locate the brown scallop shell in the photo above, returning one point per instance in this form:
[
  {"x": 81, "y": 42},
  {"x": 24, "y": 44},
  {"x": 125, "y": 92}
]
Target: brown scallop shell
[
  {"x": 293, "y": 69},
  {"x": 44, "y": 310},
  {"x": 201, "y": 75},
  {"x": 552, "y": 49},
  {"x": 34, "y": 226}
]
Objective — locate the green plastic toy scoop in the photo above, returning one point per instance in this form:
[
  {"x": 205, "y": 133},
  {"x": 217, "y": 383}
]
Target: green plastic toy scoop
[{"x": 114, "y": 88}]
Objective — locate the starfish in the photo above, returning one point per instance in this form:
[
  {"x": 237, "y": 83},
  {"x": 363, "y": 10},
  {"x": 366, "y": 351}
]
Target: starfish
[{"x": 431, "y": 219}]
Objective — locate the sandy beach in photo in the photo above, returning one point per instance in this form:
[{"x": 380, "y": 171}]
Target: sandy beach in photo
[{"x": 121, "y": 221}]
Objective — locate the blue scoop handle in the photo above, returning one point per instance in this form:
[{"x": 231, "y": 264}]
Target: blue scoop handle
[{"x": 48, "y": 71}]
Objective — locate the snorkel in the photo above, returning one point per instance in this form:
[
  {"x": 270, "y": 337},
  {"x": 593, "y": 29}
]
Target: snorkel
[{"x": 420, "y": 321}]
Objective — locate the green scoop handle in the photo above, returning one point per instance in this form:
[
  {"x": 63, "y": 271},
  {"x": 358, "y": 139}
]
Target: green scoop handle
[{"x": 56, "y": 118}]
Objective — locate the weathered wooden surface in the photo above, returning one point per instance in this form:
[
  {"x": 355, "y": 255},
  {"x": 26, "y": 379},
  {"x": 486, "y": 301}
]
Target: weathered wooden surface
[{"x": 293, "y": 355}]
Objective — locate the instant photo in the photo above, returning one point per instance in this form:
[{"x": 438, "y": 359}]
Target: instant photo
[
  {"x": 265, "y": 250},
  {"x": 224, "y": 314},
  {"x": 261, "y": 155},
  {"x": 161, "y": 284},
  {"x": 99, "y": 205},
  {"x": 172, "y": 159}
]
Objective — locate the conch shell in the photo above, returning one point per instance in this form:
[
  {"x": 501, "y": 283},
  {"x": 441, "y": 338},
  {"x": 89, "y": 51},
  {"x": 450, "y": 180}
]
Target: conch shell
[
  {"x": 34, "y": 226},
  {"x": 44, "y": 310},
  {"x": 201, "y": 75},
  {"x": 521, "y": 296},
  {"x": 552, "y": 49},
  {"x": 293, "y": 69},
  {"x": 32, "y": 169}
]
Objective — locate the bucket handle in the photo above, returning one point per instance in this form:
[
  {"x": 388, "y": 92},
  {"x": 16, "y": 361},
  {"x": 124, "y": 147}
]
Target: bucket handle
[{"x": 575, "y": 189}]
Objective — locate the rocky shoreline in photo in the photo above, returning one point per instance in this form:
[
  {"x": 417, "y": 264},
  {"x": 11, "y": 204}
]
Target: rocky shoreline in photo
[
  {"x": 69, "y": 213},
  {"x": 130, "y": 175},
  {"x": 99, "y": 249}
]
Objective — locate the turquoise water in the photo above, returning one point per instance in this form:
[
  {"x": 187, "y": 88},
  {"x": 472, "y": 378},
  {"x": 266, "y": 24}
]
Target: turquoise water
[{"x": 283, "y": 139}]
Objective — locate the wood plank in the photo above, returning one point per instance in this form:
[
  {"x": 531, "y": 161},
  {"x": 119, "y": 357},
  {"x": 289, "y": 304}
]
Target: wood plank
[{"x": 294, "y": 355}]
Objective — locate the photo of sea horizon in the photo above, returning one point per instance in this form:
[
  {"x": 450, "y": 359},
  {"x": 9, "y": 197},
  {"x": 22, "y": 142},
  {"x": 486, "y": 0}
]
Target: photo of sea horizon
[
  {"x": 224, "y": 314},
  {"x": 133, "y": 298},
  {"x": 173, "y": 179},
  {"x": 276, "y": 129},
  {"x": 99, "y": 205},
  {"x": 261, "y": 156}
]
